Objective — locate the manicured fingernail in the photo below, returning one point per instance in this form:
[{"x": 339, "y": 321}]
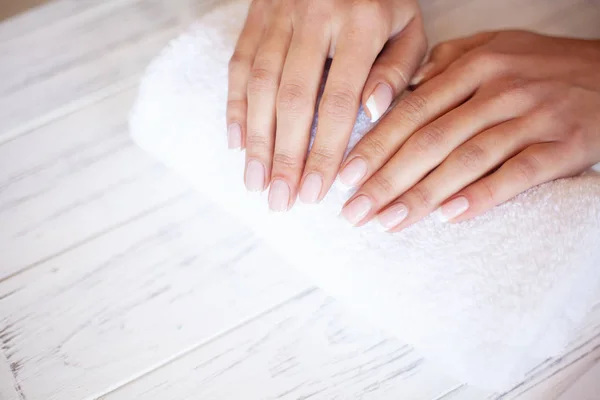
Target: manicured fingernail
[
  {"x": 311, "y": 188},
  {"x": 279, "y": 196},
  {"x": 353, "y": 172},
  {"x": 420, "y": 74},
  {"x": 393, "y": 216},
  {"x": 379, "y": 101},
  {"x": 357, "y": 210},
  {"x": 453, "y": 209},
  {"x": 255, "y": 176},
  {"x": 234, "y": 136}
]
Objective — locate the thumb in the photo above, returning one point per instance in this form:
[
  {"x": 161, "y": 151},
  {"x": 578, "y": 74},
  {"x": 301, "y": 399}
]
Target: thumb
[
  {"x": 444, "y": 54},
  {"x": 393, "y": 69}
]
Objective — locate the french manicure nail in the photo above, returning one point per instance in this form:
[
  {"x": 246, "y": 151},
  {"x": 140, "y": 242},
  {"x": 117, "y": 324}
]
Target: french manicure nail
[
  {"x": 255, "y": 176},
  {"x": 453, "y": 209},
  {"x": 311, "y": 188},
  {"x": 353, "y": 172},
  {"x": 420, "y": 74},
  {"x": 279, "y": 196},
  {"x": 379, "y": 101},
  {"x": 234, "y": 136},
  {"x": 393, "y": 216},
  {"x": 357, "y": 210}
]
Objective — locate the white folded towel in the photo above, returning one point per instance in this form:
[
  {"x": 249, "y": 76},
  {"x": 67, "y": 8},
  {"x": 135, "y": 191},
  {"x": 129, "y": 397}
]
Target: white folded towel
[{"x": 488, "y": 299}]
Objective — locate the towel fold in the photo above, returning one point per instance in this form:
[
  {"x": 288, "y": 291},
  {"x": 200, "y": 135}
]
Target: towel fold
[{"x": 488, "y": 299}]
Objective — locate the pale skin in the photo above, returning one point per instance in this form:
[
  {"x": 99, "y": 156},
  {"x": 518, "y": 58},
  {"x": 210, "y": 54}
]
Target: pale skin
[{"x": 491, "y": 115}]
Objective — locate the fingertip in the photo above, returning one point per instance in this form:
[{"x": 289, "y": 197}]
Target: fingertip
[
  {"x": 279, "y": 196},
  {"x": 379, "y": 101},
  {"x": 255, "y": 176},
  {"x": 234, "y": 136},
  {"x": 422, "y": 73},
  {"x": 453, "y": 209},
  {"x": 310, "y": 192},
  {"x": 353, "y": 172},
  {"x": 357, "y": 210}
]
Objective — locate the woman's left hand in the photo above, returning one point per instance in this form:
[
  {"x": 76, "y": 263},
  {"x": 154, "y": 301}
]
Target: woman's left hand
[{"x": 492, "y": 116}]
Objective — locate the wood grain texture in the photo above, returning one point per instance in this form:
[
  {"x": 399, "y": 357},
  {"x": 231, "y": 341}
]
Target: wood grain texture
[
  {"x": 104, "y": 49},
  {"x": 117, "y": 282},
  {"x": 135, "y": 297},
  {"x": 586, "y": 387},
  {"x": 307, "y": 348},
  {"x": 9, "y": 388},
  {"x": 60, "y": 186}
]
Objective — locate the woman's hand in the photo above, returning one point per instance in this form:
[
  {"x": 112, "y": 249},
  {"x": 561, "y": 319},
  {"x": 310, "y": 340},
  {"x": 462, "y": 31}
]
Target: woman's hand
[
  {"x": 275, "y": 74},
  {"x": 493, "y": 115}
]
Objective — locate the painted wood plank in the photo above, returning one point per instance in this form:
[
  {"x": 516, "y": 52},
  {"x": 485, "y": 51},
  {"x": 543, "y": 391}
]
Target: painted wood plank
[
  {"x": 8, "y": 386},
  {"x": 307, "y": 348},
  {"x": 587, "y": 387},
  {"x": 65, "y": 182},
  {"x": 465, "y": 392},
  {"x": 75, "y": 58},
  {"x": 136, "y": 297},
  {"x": 96, "y": 344},
  {"x": 51, "y": 12}
]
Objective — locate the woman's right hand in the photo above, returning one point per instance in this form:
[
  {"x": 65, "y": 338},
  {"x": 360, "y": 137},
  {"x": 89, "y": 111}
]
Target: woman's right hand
[{"x": 275, "y": 75}]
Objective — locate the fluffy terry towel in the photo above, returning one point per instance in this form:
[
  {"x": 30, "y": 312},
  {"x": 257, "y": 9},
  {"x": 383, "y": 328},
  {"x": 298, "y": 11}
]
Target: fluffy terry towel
[{"x": 488, "y": 299}]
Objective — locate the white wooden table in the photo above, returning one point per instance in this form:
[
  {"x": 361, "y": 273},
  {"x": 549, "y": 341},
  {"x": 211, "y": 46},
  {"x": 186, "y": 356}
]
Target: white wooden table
[{"x": 114, "y": 283}]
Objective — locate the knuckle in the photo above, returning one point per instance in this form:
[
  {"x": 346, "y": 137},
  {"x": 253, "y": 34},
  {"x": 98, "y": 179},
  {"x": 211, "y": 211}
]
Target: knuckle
[
  {"x": 292, "y": 98},
  {"x": 235, "y": 105},
  {"x": 236, "y": 109},
  {"x": 526, "y": 168},
  {"x": 384, "y": 184},
  {"x": 430, "y": 139},
  {"x": 256, "y": 141},
  {"x": 322, "y": 157},
  {"x": 442, "y": 49},
  {"x": 470, "y": 156},
  {"x": 518, "y": 90},
  {"x": 238, "y": 60},
  {"x": 375, "y": 146},
  {"x": 412, "y": 108},
  {"x": 557, "y": 105},
  {"x": 423, "y": 197},
  {"x": 286, "y": 160},
  {"x": 261, "y": 80},
  {"x": 398, "y": 72},
  {"x": 486, "y": 60},
  {"x": 339, "y": 105},
  {"x": 517, "y": 87},
  {"x": 488, "y": 191}
]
